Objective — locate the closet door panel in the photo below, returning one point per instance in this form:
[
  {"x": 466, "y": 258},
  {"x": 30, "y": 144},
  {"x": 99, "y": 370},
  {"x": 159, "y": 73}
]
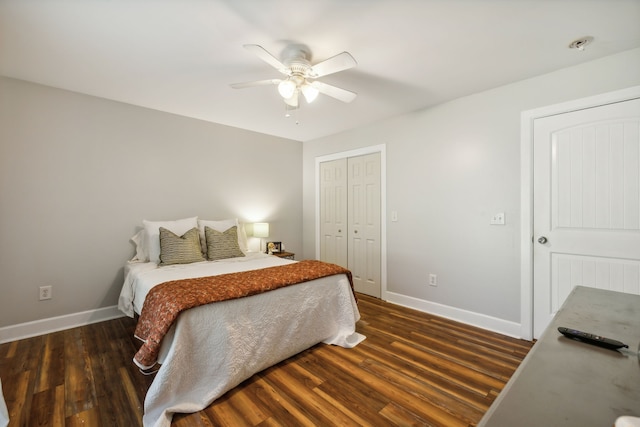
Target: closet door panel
[
  {"x": 333, "y": 211},
  {"x": 363, "y": 210}
]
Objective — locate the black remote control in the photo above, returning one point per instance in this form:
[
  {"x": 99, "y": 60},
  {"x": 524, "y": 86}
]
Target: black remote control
[{"x": 592, "y": 338}]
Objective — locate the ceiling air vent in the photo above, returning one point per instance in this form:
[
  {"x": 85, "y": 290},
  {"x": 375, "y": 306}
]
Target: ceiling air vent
[{"x": 580, "y": 43}]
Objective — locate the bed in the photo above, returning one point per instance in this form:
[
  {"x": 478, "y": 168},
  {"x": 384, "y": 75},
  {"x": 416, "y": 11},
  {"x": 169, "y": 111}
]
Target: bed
[{"x": 212, "y": 348}]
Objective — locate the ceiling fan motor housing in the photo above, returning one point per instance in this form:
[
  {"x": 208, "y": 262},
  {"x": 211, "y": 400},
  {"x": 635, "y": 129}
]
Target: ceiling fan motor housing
[{"x": 297, "y": 59}]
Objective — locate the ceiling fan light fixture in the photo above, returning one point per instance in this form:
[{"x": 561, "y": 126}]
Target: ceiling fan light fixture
[
  {"x": 297, "y": 68},
  {"x": 292, "y": 101},
  {"x": 310, "y": 93},
  {"x": 287, "y": 88}
]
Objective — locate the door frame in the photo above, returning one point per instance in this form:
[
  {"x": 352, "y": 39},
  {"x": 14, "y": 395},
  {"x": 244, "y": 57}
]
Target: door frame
[
  {"x": 382, "y": 149},
  {"x": 527, "y": 119}
]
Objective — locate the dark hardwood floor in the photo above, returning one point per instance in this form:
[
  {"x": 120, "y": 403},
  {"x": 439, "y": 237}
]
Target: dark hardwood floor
[{"x": 413, "y": 369}]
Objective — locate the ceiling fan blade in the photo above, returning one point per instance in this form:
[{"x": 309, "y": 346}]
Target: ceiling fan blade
[
  {"x": 255, "y": 83},
  {"x": 340, "y": 62},
  {"x": 335, "y": 92},
  {"x": 262, "y": 53}
]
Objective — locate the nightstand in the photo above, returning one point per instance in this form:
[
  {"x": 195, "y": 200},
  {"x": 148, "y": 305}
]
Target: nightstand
[{"x": 286, "y": 255}]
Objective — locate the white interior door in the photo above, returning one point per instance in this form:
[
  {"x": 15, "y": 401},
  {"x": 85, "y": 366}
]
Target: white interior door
[
  {"x": 586, "y": 204},
  {"x": 333, "y": 212},
  {"x": 364, "y": 223}
]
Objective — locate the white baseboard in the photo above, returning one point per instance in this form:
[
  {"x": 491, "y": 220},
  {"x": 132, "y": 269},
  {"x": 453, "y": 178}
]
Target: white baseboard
[
  {"x": 59, "y": 323},
  {"x": 483, "y": 321}
]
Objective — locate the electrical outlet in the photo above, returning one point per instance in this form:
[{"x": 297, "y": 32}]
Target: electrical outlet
[
  {"x": 45, "y": 292},
  {"x": 433, "y": 279}
]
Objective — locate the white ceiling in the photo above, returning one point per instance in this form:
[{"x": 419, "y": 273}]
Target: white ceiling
[{"x": 180, "y": 56}]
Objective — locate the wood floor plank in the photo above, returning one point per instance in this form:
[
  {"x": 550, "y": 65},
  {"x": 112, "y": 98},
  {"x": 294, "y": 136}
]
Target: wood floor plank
[
  {"x": 47, "y": 408},
  {"x": 349, "y": 389},
  {"x": 339, "y": 405},
  {"x": 113, "y": 393},
  {"x": 399, "y": 416},
  {"x": 132, "y": 397},
  {"x": 417, "y": 405},
  {"x": 17, "y": 397},
  {"x": 79, "y": 382},
  {"x": 408, "y": 368},
  {"x": 51, "y": 368},
  {"x": 198, "y": 419},
  {"x": 90, "y": 417},
  {"x": 125, "y": 345},
  {"x": 438, "y": 364},
  {"x": 9, "y": 350},
  {"x": 225, "y": 414},
  {"x": 436, "y": 396},
  {"x": 458, "y": 353},
  {"x": 299, "y": 393},
  {"x": 301, "y": 374},
  {"x": 252, "y": 413},
  {"x": 285, "y": 411},
  {"x": 413, "y": 369}
]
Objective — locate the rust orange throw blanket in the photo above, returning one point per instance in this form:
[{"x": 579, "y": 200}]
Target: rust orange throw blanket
[{"x": 166, "y": 301}]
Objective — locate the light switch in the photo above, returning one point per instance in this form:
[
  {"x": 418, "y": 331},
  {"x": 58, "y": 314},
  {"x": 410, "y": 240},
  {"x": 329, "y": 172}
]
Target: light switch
[
  {"x": 394, "y": 216},
  {"x": 497, "y": 219}
]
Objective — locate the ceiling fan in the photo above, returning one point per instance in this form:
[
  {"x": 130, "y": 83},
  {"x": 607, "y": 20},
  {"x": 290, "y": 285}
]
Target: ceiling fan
[{"x": 301, "y": 75}]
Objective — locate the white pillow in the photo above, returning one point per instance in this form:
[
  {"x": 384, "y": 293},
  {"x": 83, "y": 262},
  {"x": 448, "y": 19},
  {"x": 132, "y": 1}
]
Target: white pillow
[
  {"x": 152, "y": 232},
  {"x": 242, "y": 238},
  {"x": 139, "y": 240},
  {"x": 221, "y": 226}
]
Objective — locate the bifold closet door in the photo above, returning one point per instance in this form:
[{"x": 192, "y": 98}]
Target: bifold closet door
[
  {"x": 350, "y": 226},
  {"x": 363, "y": 212},
  {"x": 350, "y": 218}
]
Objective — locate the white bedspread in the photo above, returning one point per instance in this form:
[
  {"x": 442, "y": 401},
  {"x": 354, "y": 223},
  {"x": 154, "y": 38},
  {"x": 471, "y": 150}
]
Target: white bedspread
[
  {"x": 4, "y": 414},
  {"x": 211, "y": 349}
]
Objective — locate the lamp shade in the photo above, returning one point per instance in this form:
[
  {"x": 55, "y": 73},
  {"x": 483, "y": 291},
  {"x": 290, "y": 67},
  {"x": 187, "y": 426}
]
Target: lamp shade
[
  {"x": 261, "y": 229},
  {"x": 287, "y": 88},
  {"x": 310, "y": 93}
]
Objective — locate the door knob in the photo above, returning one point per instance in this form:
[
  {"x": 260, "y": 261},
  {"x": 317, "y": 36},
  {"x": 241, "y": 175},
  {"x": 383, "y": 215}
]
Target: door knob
[{"x": 542, "y": 240}]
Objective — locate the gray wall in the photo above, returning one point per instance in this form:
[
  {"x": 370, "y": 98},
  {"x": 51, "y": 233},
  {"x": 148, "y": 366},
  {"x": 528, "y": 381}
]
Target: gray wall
[
  {"x": 78, "y": 174},
  {"x": 449, "y": 168}
]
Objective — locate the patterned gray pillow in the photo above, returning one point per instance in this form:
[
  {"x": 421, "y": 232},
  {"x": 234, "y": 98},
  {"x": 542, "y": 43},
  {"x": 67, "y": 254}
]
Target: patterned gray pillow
[
  {"x": 183, "y": 249},
  {"x": 222, "y": 245}
]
